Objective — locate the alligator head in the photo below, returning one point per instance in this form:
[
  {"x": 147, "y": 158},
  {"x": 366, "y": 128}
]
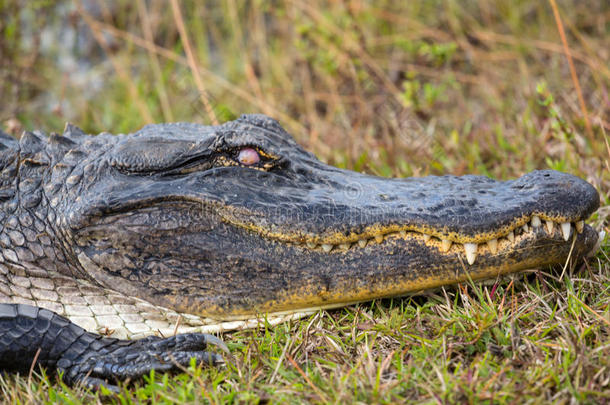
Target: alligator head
[{"x": 236, "y": 220}]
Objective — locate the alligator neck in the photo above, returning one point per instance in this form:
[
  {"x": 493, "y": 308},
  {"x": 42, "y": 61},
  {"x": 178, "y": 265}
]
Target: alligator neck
[{"x": 28, "y": 231}]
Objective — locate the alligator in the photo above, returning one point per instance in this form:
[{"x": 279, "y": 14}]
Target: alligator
[{"x": 118, "y": 253}]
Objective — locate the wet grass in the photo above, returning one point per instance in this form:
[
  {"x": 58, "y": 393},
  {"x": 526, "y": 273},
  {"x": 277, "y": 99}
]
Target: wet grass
[{"x": 391, "y": 88}]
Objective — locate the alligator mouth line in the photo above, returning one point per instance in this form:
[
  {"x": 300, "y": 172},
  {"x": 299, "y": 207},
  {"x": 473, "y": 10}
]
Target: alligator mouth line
[{"x": 470, "y": 245}]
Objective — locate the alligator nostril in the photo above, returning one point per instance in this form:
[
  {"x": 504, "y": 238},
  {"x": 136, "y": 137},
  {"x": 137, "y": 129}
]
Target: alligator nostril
[{"x": 248, "y": 157}]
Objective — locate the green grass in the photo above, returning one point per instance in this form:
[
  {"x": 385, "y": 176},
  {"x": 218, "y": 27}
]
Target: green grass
[{"x": 391, "y": 88}]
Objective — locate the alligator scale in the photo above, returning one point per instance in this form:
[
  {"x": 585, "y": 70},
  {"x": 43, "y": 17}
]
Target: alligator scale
[{"x": 191, "y": 228}]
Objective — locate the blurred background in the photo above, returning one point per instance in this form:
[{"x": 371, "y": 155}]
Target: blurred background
[{"x": 394, "y": 88}]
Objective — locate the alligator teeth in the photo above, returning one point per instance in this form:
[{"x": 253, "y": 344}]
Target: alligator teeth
[
  {"x": 470, "y": 248},
  {"x": 471, "y": 252},
  {"x": 565, "y": 229},
  {"x": 493, "y": 245},
  {"x": 536, "y": 221}
]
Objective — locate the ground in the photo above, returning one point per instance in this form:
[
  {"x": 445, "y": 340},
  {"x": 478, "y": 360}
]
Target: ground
[{"x": 390, "y": 88}]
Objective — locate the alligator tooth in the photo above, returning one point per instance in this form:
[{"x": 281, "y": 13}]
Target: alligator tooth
[
  {"x": 403, "y": 234},
  {"x": 580, "y": 225},
  {"x": 312, "y": 245},
  {"x": 511, "y": 236},
  {"x": 445, "y": 245},
  {"x": 536, "y": 221},
  {"x": 362, "y": 242},
  {"x": 327, "y": 248},
  {"x": 427, "y": 237},
  {"x": 379, "y": 238},
  {"x": 549, "y": 226},
  {"x": 471, "y": 252},
  {"x": 345, "y": 246},
  {"x": 525, "y": 228},
  {"x": 565, "y": 229},
  {"x": 493, "y": 245}
]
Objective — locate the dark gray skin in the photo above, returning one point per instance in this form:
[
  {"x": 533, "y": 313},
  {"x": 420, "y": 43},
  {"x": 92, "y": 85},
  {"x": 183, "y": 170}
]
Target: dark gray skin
[
  {"x": 171, "y": 215},
  {"x": 29, "y": 334}
]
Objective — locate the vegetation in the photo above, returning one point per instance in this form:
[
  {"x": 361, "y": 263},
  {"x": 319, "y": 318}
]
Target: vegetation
[{"x": 392, "y": 88}]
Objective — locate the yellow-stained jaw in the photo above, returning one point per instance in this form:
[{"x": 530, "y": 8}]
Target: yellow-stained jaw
[
  {"x": 471, "y": 245},
  {"x": 527, "y": 250}
]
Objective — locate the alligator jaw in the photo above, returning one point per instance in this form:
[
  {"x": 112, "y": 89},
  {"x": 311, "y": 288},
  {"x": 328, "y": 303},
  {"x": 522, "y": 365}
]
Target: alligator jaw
[
  {"x": 243, "y": 274},
  {"x": 510, "y": 257},
  {"x": 471, "y": 250},
  {"x": 400, "y": 265}
]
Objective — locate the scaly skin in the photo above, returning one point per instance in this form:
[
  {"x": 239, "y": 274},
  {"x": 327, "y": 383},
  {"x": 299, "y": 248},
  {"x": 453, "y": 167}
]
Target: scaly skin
[
  {"x": 35, "y": 333},
  {"x": 124, "y": 234}
]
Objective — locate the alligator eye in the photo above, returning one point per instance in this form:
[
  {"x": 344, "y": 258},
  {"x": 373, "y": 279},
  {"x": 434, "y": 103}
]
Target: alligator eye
[{"x": 248, "y": 157}]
